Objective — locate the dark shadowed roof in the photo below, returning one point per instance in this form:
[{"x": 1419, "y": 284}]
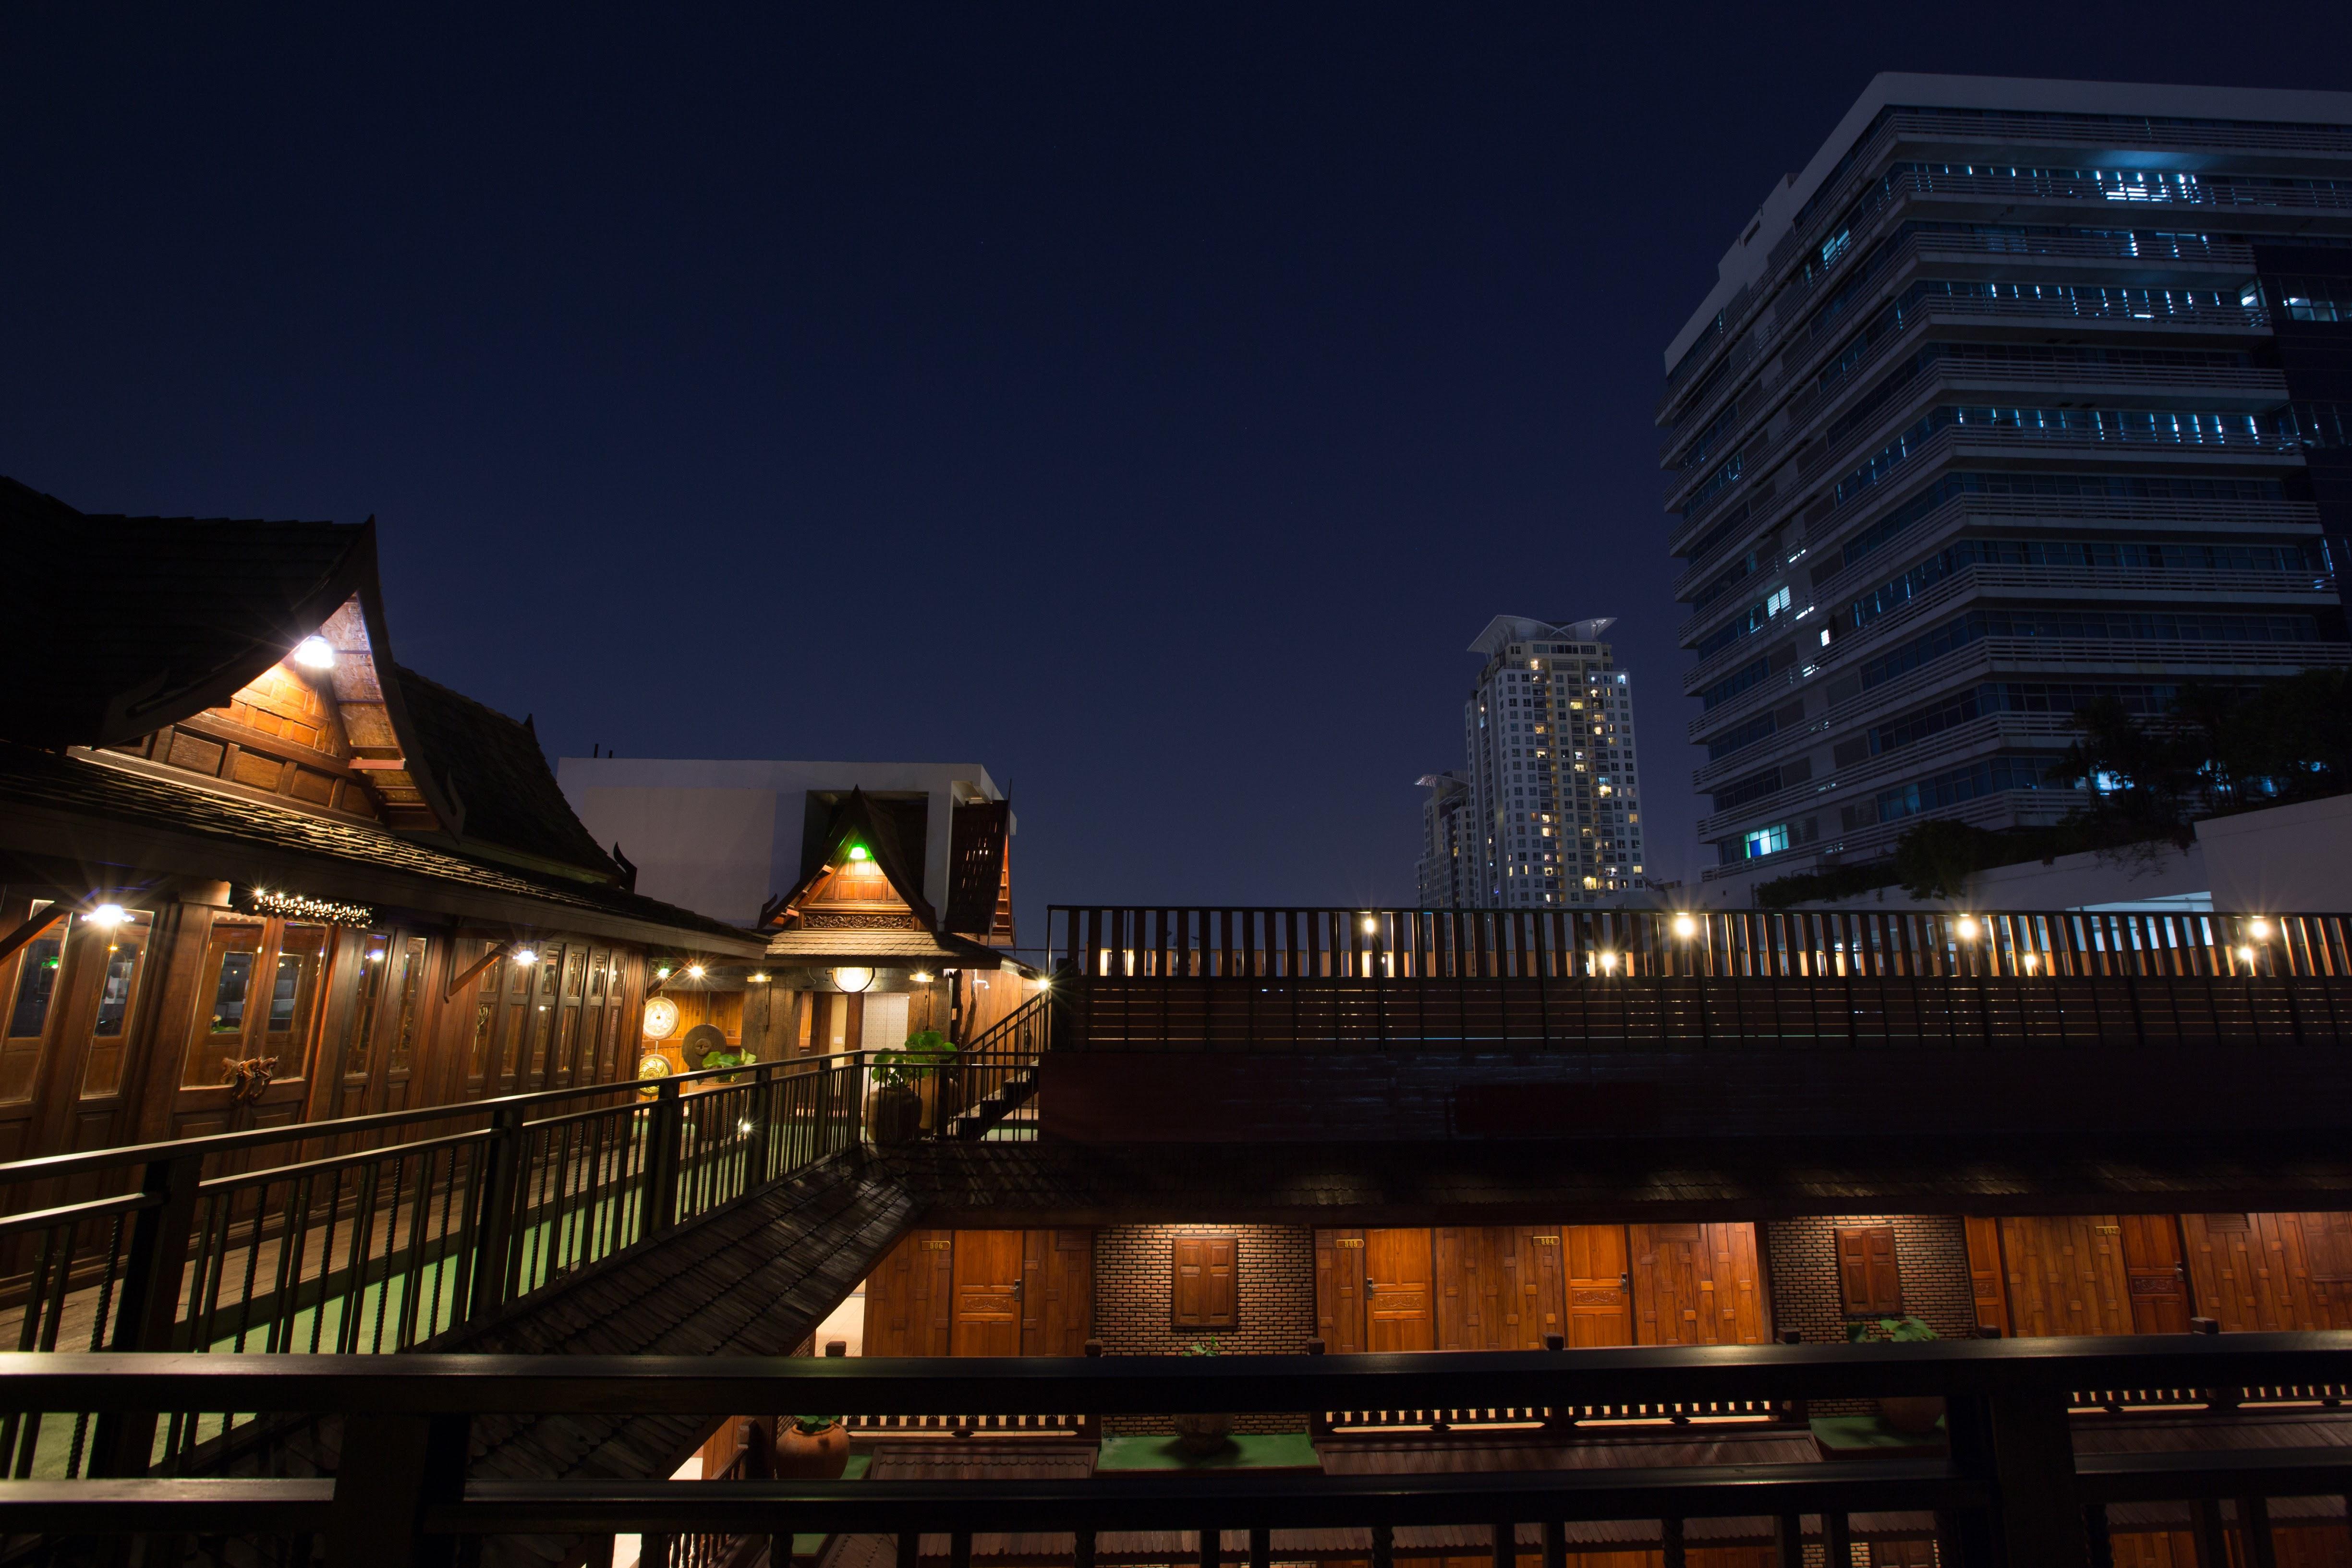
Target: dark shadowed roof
[
  {"x": 499, "y": 775},
  {"x": 139, "y": 622},
  {"x": 109, "y": 819}
]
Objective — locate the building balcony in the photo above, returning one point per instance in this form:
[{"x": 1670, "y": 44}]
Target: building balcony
[{"x": 2128, "y": 260}]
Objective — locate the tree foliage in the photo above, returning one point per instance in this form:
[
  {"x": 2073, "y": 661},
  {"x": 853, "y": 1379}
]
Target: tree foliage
[{"x": 2219, "y": 750}]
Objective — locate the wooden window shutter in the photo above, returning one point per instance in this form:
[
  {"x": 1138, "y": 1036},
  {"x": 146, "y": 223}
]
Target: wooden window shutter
[
  {"x": 1204, "y": 1292},
  {"x": 1868, "y": 1281}
]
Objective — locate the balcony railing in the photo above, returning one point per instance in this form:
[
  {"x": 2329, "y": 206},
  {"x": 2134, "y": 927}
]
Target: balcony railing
[
  {"x": 2010, "y": 1488},
  {"x": 1172, "y": 944},
  {"x": 2177, "y": 258},
  {"x": 386, "y": 1232}
]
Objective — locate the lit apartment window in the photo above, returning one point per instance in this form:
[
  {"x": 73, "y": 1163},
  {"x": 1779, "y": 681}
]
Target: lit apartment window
[{"x": 1768, "y": 841}]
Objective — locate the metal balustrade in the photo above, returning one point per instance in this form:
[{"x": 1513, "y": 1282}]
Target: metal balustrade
[
  {"x": 386, "y": 1232},
  {"x": 2010, "y": 1488}
]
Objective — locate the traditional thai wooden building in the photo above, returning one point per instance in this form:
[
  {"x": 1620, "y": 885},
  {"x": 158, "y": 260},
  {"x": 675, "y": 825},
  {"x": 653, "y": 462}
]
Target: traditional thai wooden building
[
  {"x": 253, "y": 871},
  {"x": 865, "y": 959}
]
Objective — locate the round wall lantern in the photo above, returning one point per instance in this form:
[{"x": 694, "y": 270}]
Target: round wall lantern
[{"x": 851, "y": 977}]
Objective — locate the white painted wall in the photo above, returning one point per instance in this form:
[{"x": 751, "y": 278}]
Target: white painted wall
[
  {"x": 722, "y": 837},
  {"x": 2289, "y": 860}
]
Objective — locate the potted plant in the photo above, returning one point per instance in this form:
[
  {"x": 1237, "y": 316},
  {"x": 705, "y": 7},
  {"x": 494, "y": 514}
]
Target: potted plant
[
  {"x": 1915, "y": 1415},
  {"x": 898, "y": 1076},
  {"x": 1203, "y": 1434},
  {"x": 728, "y": 1056},
  {"x": 812, "y": 1448}
]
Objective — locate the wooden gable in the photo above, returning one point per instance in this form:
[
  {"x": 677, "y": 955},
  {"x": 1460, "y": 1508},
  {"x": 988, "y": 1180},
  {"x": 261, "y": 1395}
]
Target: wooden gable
[{"x": 860, "y": 879}]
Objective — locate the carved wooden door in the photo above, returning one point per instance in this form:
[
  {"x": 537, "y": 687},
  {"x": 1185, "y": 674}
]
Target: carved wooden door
[
  {"x": 1398, "y": 1291},
  {"x": 1598, "y": 1286},
  {"x": 988, "y": 1288}
]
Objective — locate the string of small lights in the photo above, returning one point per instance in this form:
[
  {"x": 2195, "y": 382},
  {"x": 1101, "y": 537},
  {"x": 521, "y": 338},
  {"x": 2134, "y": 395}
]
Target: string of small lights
[{"x": 285, "y": 905}]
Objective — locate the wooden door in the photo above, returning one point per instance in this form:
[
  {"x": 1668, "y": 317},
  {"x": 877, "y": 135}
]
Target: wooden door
[
  {"x": 1599, "y": 1296},
  {"x": 2155, "y": 1274},
  {"x": 1988, "y": 1280},
  {"x": 1398, "y": 1299},
  {"x": 258, "y": 987},
  {"x": 908, "y": 1297},
  {"x": 1058, "y": 1292},
  {"x": 987, "y": 1292},
  {"x": 356, "y": 1066},
  {"x": 72, "y": 998},
  {"x": 1204, "y": 1284},
  {"x": 1696, "y": 1284},
  {"x": 2327, "y": 1258},
  {"x": 2066, "y": 1275},
  {"x": 570, "y": 996},
  {"x": 540, "y": 1016},
  {"x": 1340, "y": 1290}
]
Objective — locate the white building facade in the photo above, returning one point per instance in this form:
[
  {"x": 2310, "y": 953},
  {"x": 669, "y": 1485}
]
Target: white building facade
[
  {"x": 1986, "y": 418},
  {"x": 1551, "y": 812}
]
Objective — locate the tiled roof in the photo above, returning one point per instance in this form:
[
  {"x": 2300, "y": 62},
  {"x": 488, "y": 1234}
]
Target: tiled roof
[
  {"x": 821, "y": 947},
  {"x": 510, "y": 797},
  {"x": 34, "y": 780},
  {"x": 151, "y": 619}
]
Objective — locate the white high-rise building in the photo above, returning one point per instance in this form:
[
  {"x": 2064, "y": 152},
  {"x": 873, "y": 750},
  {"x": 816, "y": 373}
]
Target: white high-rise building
[{"x": 1552, "y": 809}]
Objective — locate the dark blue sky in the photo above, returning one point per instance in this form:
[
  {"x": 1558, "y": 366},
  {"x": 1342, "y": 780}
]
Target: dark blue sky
[{"x": 1149, "y": 403}]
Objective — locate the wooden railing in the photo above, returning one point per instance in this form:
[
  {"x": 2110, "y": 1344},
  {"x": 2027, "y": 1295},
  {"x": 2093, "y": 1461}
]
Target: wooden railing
[
  {"x": 1191, "y": 943},
  {"x": 2011, "y": 1488}
]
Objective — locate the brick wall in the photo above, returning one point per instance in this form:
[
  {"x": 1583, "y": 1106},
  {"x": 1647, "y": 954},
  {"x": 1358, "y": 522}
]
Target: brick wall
[
  {"x": 1134, "y": 1275},
  {"x": 1930, "y": 1252}
]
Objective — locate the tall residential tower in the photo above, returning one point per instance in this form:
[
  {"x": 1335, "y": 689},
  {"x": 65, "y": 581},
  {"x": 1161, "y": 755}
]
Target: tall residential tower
[
  {"x": 2012, "y": 399},
  {"x": 1550, "y": 814}
]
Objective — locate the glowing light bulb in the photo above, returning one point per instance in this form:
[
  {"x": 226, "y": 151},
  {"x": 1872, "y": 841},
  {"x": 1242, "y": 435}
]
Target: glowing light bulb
[
  {"x": 2259, "y": 929},
  {"x": 694, "y": 971},
  {"x": 1686, "y": 927},
  {"x": 1968, "y": 928},
  {"x": 315, "y": 653},
  {"x": 525, "y": 955},
  {"x": 109, "y": 916}
]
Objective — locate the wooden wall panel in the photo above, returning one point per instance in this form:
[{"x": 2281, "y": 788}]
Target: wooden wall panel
[
  {"x": 2271, "y": 1271},
  {"x": 1542, "y": 1304},
  {"x": 1058, "y": 1292},
  {"x": 1696, "y": 1284},
  {"x": 2066, "y": 1275},
  {"x": 1498, "y": 1287},
  {"x": 908, "y": 1297},
  {"x": 1340, "y": 1290}
]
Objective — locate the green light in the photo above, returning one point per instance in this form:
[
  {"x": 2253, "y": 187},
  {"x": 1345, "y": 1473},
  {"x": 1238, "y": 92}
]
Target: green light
[{"x": 858, "y": 852}]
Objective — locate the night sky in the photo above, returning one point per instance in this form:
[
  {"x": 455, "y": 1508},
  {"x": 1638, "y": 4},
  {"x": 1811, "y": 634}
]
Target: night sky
[{"x": 1149, "y": 404}]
